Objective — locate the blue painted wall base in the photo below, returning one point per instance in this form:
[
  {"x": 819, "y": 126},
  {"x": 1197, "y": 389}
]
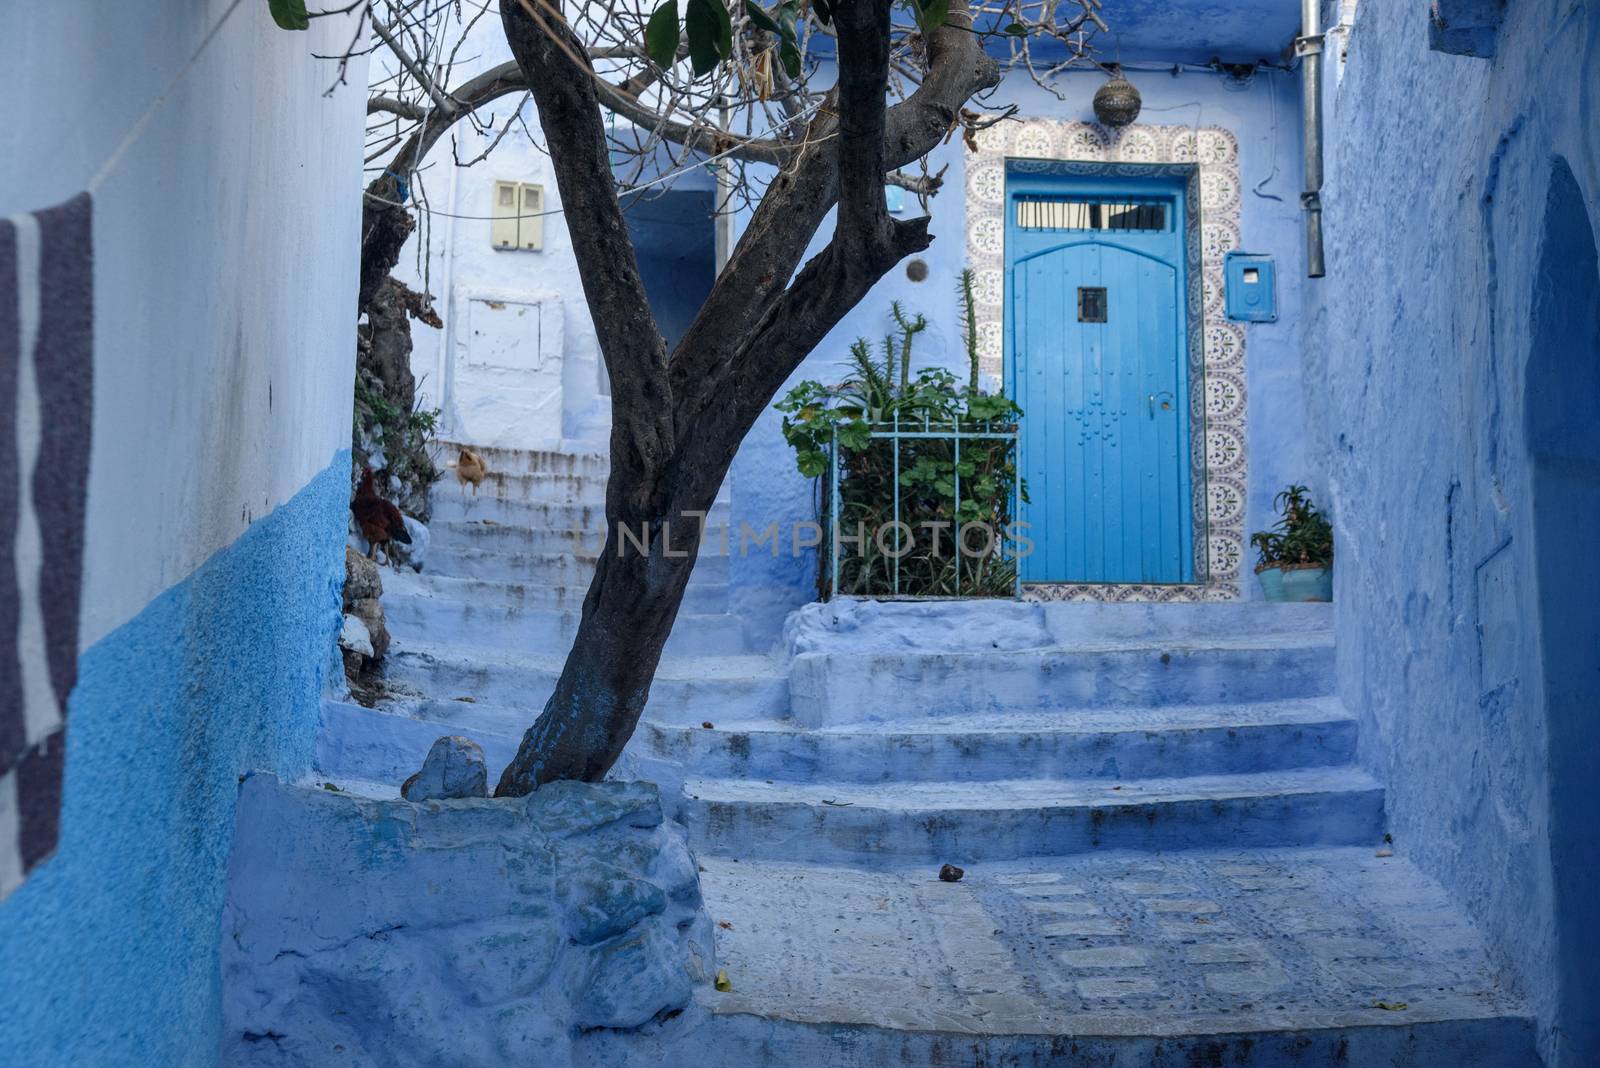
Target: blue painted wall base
[{"x": 116, "y": 935}]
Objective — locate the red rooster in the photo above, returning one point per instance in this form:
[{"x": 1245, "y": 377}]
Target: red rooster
[{"x": 380, "y": 521}]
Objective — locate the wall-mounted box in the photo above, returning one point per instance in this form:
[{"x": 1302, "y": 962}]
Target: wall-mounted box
[
  {"x": 1251, "y": 285},
  {"x": 518, "y": 216}
]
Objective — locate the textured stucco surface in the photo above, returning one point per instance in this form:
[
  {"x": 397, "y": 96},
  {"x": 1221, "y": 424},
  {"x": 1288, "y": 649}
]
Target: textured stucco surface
[
  {"x": 110, "y": 949},
  {"x": 1418, "y": 341},
  {"x": 467, "y": 932}
]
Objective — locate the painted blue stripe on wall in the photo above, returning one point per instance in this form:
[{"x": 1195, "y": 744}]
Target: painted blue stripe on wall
[{"x": 109, "y": 951}]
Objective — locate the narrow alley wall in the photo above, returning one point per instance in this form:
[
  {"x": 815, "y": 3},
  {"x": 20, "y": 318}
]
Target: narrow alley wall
[
  {"x": 1451, "y": 365},
  {"x": 225, "y": 243}
]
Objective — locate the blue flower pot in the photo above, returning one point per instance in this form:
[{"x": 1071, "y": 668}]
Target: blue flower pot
[
  {"x": 1308, "y": 584},
  {"x": 1271, "y": 581},
  {"x": 1297, "y": 584}
]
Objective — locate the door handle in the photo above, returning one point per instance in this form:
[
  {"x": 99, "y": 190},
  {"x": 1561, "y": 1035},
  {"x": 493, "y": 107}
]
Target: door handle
[{"x": 1166, "y": 402}]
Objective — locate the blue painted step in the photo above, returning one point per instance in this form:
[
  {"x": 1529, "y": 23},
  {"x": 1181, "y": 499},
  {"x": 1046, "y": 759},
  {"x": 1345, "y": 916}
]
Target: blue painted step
[
  {"x": 550, "y": 583},
  {"x": 1115, "y": 743},
  {"x": 834, "y": 688},
  {"x": 686, "y": 689},
  {"x": 416, "y": 614},
  {"x": 935, "y": 822},
  {"x": 374, "y": 745}
]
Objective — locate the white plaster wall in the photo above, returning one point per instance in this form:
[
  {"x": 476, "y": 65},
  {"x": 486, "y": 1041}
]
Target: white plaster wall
[
  {"x": 452, "y": 258},
  {"x": 226, "y": 241}
]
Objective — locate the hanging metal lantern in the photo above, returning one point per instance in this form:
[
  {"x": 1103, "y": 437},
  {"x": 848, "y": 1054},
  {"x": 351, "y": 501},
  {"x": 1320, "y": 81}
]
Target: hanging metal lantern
[{"x": 1117, "y": 102}]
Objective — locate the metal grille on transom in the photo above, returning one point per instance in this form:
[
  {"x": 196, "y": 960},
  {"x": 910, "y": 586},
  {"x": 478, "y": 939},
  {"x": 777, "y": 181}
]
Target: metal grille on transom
[{"x": 1064, "y": 213}]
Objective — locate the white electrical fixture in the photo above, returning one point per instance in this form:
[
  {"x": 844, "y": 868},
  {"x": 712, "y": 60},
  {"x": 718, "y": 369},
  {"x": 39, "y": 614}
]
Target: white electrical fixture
[{"x": 518, "y": 216}]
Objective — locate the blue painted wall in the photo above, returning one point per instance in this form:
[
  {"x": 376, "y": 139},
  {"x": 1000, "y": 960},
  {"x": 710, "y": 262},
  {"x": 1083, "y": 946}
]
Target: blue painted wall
[
  {"x": 1263, "y": 114},
  {"x": 674, "y": 242},
  {"x": 1447, "y": 271},
  {"x": 109, "y": 951}
]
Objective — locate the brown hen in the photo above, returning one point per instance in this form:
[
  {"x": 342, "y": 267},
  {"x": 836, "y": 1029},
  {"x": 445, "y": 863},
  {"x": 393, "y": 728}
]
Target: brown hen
[{"x": 380, "y": 521}]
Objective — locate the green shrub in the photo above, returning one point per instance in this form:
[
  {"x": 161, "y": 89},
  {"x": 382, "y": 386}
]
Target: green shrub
[
  {"x": 860, "y": 410},
  {"x": 1302, "y": 536}
]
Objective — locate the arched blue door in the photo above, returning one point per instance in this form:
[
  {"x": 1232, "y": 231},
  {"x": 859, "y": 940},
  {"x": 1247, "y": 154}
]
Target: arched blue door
[{"x": 1095, "y": 347}]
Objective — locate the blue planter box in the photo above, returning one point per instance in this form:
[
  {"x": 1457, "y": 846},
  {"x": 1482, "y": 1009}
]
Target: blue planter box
[{"x": 1297, "y": 584}]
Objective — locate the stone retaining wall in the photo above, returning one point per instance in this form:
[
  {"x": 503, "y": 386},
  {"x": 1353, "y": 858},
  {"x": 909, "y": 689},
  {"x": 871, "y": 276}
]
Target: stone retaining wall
[{"x": 480, "y": 931}]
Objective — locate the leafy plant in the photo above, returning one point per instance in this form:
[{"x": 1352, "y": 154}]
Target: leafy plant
[
  {"x": 940, "y": 489},
  {"x": 1302, "y": 536},
  {"x": 394, "y": 442}
]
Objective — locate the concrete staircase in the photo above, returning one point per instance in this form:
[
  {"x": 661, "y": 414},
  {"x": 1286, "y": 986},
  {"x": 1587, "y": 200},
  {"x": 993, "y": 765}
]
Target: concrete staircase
[
  {"x": 480, "y": 635},
  {"x": 911, "y": 737},
  {"x": 1171, "y": 852}
]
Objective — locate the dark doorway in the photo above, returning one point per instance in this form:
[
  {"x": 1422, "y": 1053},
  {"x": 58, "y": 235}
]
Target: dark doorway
[
  {"x": 1563, "y": 432},
  {"x": 674, "y": 238}
]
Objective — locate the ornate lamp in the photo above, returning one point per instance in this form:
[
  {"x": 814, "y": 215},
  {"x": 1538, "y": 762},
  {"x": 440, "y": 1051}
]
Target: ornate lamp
[{"x": 1117, "y": 102}]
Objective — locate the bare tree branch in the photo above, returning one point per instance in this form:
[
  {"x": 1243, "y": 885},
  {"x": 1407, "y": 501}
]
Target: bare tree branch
[{"x": 403, "y": 108}]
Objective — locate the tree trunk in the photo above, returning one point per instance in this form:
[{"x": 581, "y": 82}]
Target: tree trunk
[{"x": 628, "y": 615}]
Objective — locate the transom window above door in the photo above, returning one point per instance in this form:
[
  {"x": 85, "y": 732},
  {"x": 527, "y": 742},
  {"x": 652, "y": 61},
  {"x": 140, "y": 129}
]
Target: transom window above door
[{"x": 1078, "y": 213}]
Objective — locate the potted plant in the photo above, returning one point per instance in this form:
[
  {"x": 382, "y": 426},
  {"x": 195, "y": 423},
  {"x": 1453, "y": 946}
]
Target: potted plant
[{"x": 1296, "y": 555}]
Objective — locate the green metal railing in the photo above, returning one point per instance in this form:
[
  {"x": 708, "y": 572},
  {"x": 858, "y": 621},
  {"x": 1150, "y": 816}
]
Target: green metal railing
[{"x": 909, "y": 565}]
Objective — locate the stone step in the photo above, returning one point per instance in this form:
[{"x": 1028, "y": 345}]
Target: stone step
[
  {"x": 387, "y": 743},
  {"x": 541, "y": 528},
  {"x": 417, "y": 613},
  {"x": 686, "y": 690},
  {"x": 1246, "y": 958},
  {"x": 850, "y": 624},
  {"x": 933, "y": 822},
  {"x": 529, "y": 461},
  {"x": 836, "y": 688},
  {"x": 1112, "y": 743},
  {"x": 451, "y": 498},
  {"x": 568, "y": 570},
  {"x": 548, "y": 581},
  {"x": 463, "y": 538},
  {"x": 544, "y": 487}
]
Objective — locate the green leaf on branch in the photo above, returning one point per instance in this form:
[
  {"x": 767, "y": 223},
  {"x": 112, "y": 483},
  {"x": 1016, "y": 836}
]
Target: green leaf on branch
[
  {"x": 710, "y": 34},
  {"x": 813, "y": 463},
  {"x": 1017, "y": 29},
  {"x": 759, "y": 16},
  {"x": 661, "y": 35},
  {"x": 289, "y": 14}
]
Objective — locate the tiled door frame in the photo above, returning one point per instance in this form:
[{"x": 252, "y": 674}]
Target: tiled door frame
[{"x": 1209, "y": 155}]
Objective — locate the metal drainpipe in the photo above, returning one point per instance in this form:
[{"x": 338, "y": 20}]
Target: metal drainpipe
[{"x": 1309, "y": 48}]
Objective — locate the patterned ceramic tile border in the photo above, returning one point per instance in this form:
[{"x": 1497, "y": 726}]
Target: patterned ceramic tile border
[{"x": 1209, "y": 156}]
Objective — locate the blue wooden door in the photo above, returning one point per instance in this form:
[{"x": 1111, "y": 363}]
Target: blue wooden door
[{"x": 1095, "y": 280}]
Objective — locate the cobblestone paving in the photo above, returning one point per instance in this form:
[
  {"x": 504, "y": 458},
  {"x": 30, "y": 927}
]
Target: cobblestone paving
[{"x": 1118, "y": 944}]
